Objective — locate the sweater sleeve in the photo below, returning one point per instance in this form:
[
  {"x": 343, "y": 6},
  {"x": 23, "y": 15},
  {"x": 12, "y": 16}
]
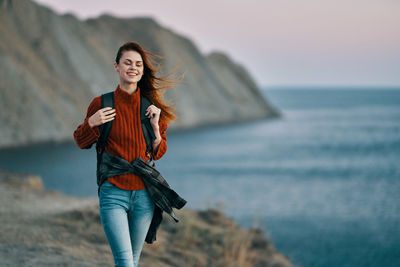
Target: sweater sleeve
[
  {"x": 162, "y": 147},
  {"x": 85, "y": 135}
]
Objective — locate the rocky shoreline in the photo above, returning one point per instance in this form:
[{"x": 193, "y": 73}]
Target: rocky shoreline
[{"x": 46, "y": 228}]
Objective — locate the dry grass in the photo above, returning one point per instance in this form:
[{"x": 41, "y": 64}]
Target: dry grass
[
  {"x": 208, "y": 238},
  {"x": 44, "y": 228}
]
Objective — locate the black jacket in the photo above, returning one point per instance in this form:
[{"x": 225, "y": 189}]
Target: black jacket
[{"x": 159, "y": 190}]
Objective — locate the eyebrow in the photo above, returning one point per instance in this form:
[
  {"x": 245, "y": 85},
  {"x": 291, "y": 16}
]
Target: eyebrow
[{"x": 131, "y": 60}]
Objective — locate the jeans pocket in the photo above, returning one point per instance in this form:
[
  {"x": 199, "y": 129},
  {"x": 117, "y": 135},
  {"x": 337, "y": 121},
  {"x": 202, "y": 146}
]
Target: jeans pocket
[
  {"x": 106, "y": 186},
  {"x": 144, "y": 199}
]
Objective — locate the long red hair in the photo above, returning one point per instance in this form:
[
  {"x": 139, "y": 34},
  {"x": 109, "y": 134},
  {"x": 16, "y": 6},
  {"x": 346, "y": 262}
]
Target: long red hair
[{"x": 151, "y": 86}]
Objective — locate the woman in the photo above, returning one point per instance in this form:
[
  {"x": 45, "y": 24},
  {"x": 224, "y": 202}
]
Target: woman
[{"x": 126, "y": 209}]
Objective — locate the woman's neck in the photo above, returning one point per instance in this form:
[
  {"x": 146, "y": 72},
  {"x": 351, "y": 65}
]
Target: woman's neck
[{"x": 130, "y": 88}]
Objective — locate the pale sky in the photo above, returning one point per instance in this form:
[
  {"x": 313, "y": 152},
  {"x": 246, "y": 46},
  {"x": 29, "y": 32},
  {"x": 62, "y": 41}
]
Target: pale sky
[{"x": 281, "y": 42}]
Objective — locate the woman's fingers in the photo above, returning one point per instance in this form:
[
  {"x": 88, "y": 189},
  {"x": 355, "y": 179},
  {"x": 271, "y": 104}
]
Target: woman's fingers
[
  {"x": 152, "y": 111},
  {"x": 102, "y": 116},
  {"x": 109, "y": 119},
  {"x": 107, "y": 114},
  {"x": 148, "y": 112}
]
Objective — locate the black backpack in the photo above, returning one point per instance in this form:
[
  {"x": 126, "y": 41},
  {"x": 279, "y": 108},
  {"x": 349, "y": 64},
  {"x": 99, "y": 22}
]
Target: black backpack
[{"x": 107, "y": 100}]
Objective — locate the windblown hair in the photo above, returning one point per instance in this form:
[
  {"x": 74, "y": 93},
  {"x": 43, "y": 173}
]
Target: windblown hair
[{"x": 151, "y": 86}]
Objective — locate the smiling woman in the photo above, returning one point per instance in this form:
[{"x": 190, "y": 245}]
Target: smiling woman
[
  {"x": 126, "y": 208},
  {"x": 131, "y": 70}
]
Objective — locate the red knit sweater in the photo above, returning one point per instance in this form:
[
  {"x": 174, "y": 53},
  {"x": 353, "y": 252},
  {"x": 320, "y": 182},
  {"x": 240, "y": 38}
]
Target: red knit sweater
[{"x": 126, "y": 137}]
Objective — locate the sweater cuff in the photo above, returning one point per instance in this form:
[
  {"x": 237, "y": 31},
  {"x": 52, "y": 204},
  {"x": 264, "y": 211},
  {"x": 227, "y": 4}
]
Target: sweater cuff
[
  {"x": 94, "y": 131},
  {"x": 85, "y": 135},
  {"x": 162, "y": 148}
]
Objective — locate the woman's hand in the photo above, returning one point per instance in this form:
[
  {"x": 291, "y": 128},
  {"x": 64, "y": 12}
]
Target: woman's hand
[
  {"x": 153, "y": 113},
  {"x": 102, "y": 116}
]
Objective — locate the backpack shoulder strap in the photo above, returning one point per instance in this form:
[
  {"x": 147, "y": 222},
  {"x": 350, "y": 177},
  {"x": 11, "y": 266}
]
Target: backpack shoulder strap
[
  {"x": 107, "y": 100},
  {"x": 148, "y": 132}
]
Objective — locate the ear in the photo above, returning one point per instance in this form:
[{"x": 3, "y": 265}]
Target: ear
[{"x": 116, "y": 67}]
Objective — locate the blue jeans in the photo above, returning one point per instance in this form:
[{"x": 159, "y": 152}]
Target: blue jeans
[{"x": 126, "y": 216}]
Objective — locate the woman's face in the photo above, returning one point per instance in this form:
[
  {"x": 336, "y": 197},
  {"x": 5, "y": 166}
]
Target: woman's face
[{"x": 130, "y": 67}]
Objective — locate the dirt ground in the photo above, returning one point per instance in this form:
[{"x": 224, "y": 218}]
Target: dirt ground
[{"x": 46, "y": 228}]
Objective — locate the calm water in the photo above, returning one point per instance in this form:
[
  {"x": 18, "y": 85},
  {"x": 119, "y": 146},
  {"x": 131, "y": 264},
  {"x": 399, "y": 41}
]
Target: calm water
[{"x": 323, "y": 180}]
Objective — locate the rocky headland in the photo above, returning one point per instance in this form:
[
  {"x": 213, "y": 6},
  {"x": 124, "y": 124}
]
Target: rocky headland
[{"x": 52, "y": 66}]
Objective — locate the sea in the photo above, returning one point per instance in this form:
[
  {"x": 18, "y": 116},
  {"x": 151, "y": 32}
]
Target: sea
[{"x": 322, "y": 180}]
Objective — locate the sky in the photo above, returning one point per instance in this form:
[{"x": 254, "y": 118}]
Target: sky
[{"x": 280, "y": 42}]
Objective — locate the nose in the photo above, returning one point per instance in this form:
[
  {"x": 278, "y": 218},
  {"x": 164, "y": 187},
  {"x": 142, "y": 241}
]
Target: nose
[{"x": 133, "y": 68}]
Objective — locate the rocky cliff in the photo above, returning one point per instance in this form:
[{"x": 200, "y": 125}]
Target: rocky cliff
[{"x": 53, "y": 65}]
